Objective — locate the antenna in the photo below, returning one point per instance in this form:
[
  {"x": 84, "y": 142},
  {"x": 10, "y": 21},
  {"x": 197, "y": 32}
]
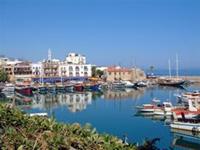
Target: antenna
[
  {"x": 49, "y": 54},
  {"x": 177, "y": 65}
]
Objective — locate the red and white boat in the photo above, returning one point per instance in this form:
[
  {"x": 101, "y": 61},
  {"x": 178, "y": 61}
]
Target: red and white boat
[
  {"x": 149, "y": 108},
  {"x": 188, "y": 113},
  {"x": 24, "y": 90},
  {"x": 165, "y": 110}
]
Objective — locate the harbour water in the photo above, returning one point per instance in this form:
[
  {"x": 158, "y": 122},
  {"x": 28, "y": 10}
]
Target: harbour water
[{"x": 112, "y": 112}]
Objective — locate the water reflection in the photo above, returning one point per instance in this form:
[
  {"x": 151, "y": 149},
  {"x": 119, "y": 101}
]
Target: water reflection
[
  {"x": 73, "y": 101},
  {"x": 124, "y": 94},
  {"x": 185, "y": 140}
]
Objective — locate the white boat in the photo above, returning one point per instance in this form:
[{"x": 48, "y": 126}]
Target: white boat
[
  {"x": 118, "y": 85},
  {"x": 141, "y": 84},
  {"x": 9, "y": 88},
  {"x": 129, "y": 84},
  {"x": 38, "y": 114},
  {"x": 187, "y": 125},
  {"x": 165, "y": 110},
  {"x": 149, "y": 108}
]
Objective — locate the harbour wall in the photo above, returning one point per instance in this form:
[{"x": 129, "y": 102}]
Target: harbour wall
[{"x": 193, "y": 79}]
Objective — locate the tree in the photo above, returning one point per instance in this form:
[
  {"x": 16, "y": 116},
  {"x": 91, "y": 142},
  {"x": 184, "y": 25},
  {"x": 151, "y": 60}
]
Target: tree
[
  {"x": 99, "y": 73},
  {"x": 96, "y": 72},
  {"x": 3, "y": 76},
  {"x": 151, "y": 68},
  {"x": 93, "y": 71}
]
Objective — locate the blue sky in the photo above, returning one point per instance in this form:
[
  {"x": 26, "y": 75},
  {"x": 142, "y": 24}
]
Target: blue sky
[{"x": 108, "y": 32}]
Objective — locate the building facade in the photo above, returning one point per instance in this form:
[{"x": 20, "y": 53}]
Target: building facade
[
  {"x": 18, "y": 70},
  {"x": 75, "y": 66},
  {"x": 50, "y": 68},
  {"x": 37, "y": 69},
  {"x": 74, "y": 58},
  {"x": 126, "y": 74},
  {"x": 75, "y": 70}
]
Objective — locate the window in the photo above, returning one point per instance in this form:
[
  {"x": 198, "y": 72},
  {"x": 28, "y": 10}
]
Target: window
[
  {"x": 85, "y": 68},
  {"x": 77, "y": 68},
  {"x": 70, "y": 68},
  {"x": 85, "y": 74},
  {"x": 77, "y": 74},
  {"x": 70, "y": 74}
]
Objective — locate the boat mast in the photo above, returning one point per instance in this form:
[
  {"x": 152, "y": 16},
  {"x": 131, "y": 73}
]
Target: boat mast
[
  {"x": 42, "y": 76},
  {"x": 177, "y": 66},
  {"x": 169, "y": 63},
  {"x": 135, "y": 69},
  {"x": 61, "y": 78}
]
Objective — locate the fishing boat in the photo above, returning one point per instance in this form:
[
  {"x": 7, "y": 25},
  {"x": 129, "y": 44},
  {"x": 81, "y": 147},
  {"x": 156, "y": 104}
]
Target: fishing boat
[
  {"x": 69, "y": 88},
  {"x": 141, "y": 84},
  {"x": 52, "y": 88},
  {"x": 91, "y": 87},
  {"x": 149, "y": 108},
  {"x": 79, "y": 87},
  {"x": 118, "y": 85},
  {"x": 186, "y": 124},
  {"x": 42, "y": 89},
  {"x": 129, "y": 84},
  {"x": 194, "y": 96},
  {"x": 8, "y": 88},
  {"x": 24, "y": 90},
  {"x": 164, "y": 110},
  {"x": 189, "y": 112}
]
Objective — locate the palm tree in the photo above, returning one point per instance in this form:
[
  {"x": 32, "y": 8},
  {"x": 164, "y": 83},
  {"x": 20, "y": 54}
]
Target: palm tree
[{"x": 151, "y": 68}]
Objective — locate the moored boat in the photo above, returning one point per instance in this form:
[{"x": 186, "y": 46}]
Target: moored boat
[
  {"x": 149, "y": 108},
  {"x": 186, "y": 124},
  {"x": 165, "y": 110},
  {"x": 118, "y": 85},
  {"x": 8, "y": 88},
  {"x": 170, "y": 82},
  {"x": 24, "y": 90},
  {"x": 79, "y": 87}
]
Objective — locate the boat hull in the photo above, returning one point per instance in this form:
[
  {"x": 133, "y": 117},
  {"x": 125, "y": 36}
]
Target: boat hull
[
  {"x": 186, "y": 126},
  {"x": 24, "y": 90}
]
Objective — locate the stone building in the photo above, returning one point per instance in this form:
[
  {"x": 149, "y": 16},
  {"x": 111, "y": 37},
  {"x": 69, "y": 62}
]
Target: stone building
[{"x": 119, "y": 73}]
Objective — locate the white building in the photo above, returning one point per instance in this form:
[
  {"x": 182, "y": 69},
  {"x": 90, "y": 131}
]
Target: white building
[
  {"x": 75, "y": 70},
  {"x": 74, "y": 58},
  {"x": 75, "y": 66},
  {"x": 36, "y": 69}
]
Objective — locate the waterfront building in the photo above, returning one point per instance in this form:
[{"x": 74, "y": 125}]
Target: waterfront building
[
  {"x": 75, "y": 70},
  {"x": 18, "y": 70},
  {"x": 119, "y": 73},
  {"x": 50, "y": 68},
  {"x": 75, "y": 66},
  {"x": 23, "y": 71},
  {"x": 74, "y": 58},
  {"x": 37, "y": 69}
]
